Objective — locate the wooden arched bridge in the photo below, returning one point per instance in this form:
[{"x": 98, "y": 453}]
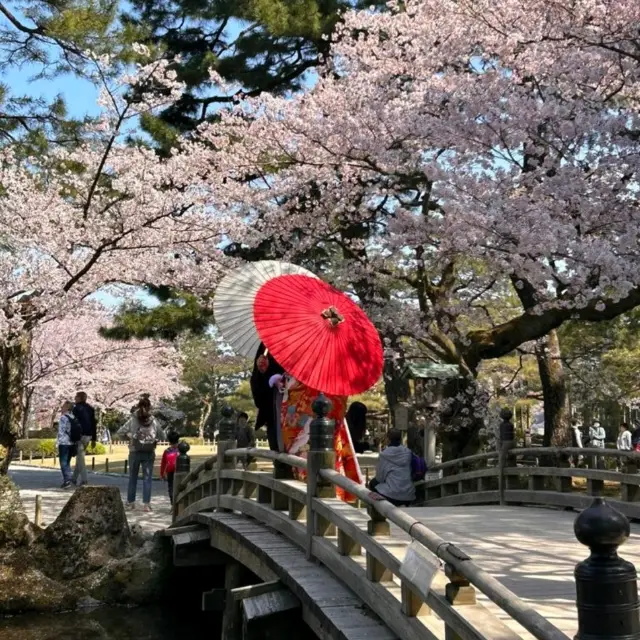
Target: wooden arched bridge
[{"x": 474, "y": 563}]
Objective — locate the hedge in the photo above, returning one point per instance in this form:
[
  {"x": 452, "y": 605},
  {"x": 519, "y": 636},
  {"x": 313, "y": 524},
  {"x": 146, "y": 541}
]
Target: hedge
[
  {"x": 97, "y": 449},
  {"x": 38, "y": 446}
]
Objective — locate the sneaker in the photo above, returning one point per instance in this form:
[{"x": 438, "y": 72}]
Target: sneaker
[
  {"x": 131, "y": 506},
  {"x": 66, "y": 485},
  {"x": 147, "y": 508}
]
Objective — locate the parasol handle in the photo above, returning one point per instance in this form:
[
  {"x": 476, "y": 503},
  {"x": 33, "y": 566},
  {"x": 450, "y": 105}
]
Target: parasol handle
[{"x": 333, "y": 316}]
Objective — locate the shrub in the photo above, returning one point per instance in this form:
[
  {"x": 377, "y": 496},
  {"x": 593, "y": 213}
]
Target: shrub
[
  {"x": 193, "y": 441},
  {"x": 97, "y": 449},
  {"x": 42, "y": 434},
  {"x": 37, "y": 447}
]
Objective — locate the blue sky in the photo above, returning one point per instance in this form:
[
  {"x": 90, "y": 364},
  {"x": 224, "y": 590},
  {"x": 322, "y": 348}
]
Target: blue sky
[{"x": 80, "y": 95}]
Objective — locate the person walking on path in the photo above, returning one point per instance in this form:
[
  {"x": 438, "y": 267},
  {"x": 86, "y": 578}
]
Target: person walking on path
[
  {"x": 86, "y": 416},
  {"x": 168, "y": 462},
  {"x": 64, "y": 442},
  {"x": 143, "y": 433},
  {"x": 394, "y": 471}
]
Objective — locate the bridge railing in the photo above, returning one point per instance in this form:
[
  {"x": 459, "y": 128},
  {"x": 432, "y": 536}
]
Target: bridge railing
[
  {"x": 434, "y": 577},
  {"x": 540, "y": 475}
]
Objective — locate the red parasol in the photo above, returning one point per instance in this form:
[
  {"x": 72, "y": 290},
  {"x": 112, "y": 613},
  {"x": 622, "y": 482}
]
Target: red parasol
[{"x": 318, "y": 335}]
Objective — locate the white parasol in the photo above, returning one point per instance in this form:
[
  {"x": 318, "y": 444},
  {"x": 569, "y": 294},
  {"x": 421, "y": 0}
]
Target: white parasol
[{"x": 235, "y": 295}]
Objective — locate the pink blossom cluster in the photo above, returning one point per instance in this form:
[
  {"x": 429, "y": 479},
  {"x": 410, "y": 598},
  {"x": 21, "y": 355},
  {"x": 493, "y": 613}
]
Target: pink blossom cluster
[
  {"x": 76, "y": 220},
  {"x": 471, "y": 143},
  {"x": 69, "y": 355}
]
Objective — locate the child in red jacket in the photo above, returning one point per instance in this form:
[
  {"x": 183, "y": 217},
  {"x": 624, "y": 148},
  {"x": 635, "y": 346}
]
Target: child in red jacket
[{"x": 168, "y": 463}]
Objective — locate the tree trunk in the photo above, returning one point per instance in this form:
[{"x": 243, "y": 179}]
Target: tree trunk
[
  {"x": 27, "y": 397},
  {"x": 205, "y": 412},
  {"x": 557, "y": 416},
  {"x": 14, "y": 355},
  {"x": 396, "y": 388},
  {"x": 460, "y": 431}
]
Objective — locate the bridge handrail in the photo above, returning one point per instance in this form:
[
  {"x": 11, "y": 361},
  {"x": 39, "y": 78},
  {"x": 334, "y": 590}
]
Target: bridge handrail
[
  {"x": 525, "y": 615},
  {"x": 539, "y": 452},
  {"x": 522, "y": 613}
]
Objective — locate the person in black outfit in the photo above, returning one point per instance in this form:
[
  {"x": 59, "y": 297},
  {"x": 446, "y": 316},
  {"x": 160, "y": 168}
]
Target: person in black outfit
[
  {"x": 86, "y": 416},
  {"x": 264, "y": 397},
  {"x": 357, "y": 422}
]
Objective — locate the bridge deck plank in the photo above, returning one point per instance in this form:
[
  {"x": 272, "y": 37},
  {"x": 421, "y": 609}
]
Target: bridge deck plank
[{"x": 308, "y": 580}]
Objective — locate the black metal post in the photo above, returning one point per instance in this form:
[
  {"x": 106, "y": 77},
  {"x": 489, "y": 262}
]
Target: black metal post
[
  {"x": 183, "y": 461},
  {"x": 321, "y": 455},
  {"x": 606, "y": 585},
  {"x": 227, "y": 425},
  {"x": 183, "y": 466}
]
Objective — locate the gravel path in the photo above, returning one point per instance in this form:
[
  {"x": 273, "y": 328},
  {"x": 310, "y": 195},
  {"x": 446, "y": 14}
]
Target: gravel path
[{"x": 46, "y": 482}]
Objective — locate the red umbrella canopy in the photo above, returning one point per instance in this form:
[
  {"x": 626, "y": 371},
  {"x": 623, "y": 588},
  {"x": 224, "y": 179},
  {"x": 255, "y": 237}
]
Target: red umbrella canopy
[{"x": 318, "y": 334}]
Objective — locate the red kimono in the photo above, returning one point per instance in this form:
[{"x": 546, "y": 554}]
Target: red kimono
[{"x": 297, "y": 415}]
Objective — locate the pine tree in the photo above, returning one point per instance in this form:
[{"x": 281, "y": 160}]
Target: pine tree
[{"x": 256, "y": 45}]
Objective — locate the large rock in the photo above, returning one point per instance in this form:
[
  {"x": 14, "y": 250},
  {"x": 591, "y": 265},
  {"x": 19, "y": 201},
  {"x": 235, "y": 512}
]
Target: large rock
[
  {"x": 90, "y": 531},
  {"x": 89, "y": 553},
  {"x": 25, "y": 588},
  {"x": 135, "y": 580}
]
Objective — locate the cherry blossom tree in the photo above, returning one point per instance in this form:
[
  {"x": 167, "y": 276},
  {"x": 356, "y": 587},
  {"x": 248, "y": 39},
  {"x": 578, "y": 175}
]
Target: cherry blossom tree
[
  {"x": 69, "y": 355},
  {"x": 75, "y": 220},
  {"x": 452, "y": 149}
]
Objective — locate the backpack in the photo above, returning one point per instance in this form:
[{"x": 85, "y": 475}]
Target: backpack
[
  {"x": 418, "y": 468},
  {"x": 75, "y": 428},
  {"x": 144, "y": 439},
  {"x": 171, "y": 458}
]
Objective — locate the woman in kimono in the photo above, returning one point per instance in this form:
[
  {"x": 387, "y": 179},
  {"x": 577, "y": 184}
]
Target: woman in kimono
[{"x": 296, "y": 417}]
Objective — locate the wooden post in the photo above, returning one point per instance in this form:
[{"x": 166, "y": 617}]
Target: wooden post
[
  {"x": 458, "y": 592},
  {"x": 376, "y": 527},
  {"x": 126, "y": 466},
  {"x": 93, "y": 463},
  {"x": 106, "y": 465},
  {"x": 42, "y": 460},
  {"x": 226, "y": 441},
  {"x": 280, "y": 502},
  {"x": 38, "y": 514},
  {"x": 20, "y": 455},
  {"x": 183, "y": 466},
  {"x": 232, "y": 616},
  {"x": 321, "y": 456}
]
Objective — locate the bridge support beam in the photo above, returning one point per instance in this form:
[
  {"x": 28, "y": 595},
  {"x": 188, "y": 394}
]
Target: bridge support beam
[
  {"x": 232, "y": 616},
  {"x": 251, "y": 612}
]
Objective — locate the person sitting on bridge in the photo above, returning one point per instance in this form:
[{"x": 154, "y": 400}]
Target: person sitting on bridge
[{"x": 393, "y": 480}]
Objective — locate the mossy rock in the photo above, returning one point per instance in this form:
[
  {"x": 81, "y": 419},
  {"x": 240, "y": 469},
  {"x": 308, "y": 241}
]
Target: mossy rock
[
  {"x": 14, "y": 522},
  {"x": 90, "y": 531},
  {"x": 24, "y": 588}
]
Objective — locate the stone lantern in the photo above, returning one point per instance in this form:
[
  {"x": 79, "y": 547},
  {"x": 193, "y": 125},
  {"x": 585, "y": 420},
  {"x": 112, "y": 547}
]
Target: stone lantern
[{"x": 430, "y": 382}]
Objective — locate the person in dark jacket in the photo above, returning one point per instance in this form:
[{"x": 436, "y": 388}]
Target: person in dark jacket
[
  {"x": 357, "y": 422},
  {"x": 264, "y": 396},
  {"x": 86, "y": 416}
]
